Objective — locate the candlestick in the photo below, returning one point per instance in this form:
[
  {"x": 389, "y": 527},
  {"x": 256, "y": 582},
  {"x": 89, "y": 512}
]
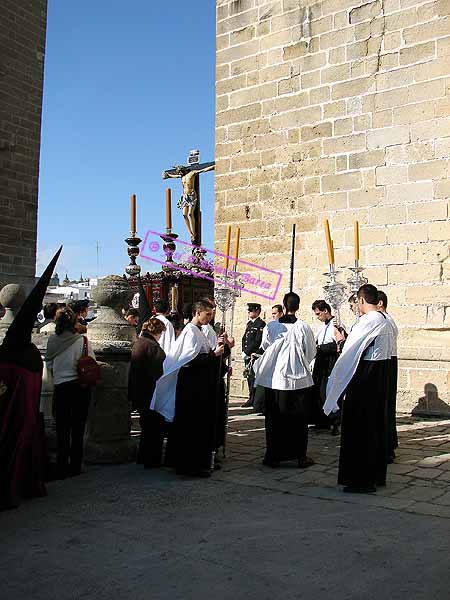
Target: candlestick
[
  {"x": 174, "y": 308},
  {"x": 227, "y": 248},
  {"x": 329, "y": 242},
  {"x": 133, "y": 252},
  {"x": 236, "y": 246},
  {"x": 169, "y": 210},
  {"x": 356, "y": 241},
  {"x": 133, "y": 213}
]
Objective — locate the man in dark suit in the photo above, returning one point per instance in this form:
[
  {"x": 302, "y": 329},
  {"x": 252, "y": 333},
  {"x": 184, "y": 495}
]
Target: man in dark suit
[{"x": 251, "y": 342}]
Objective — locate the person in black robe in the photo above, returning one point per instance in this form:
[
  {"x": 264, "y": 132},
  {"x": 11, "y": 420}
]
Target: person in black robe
[
  {"x": 196, "y": 407},
  {"x": 283, "y": 372},
  {"x": 362, "y": 373},
  {"x": 22, "y": 433},
  {"x": 326, "y": 357},
  {"x": 393, "y": 381},
  {"x": 146, "y": 368}
]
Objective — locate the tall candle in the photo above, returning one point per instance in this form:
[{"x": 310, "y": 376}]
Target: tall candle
[
  {"x": 356, "y": 239},
  {"x": 329, "y": 243},
  {"x": 174, "y": 308},
  {"x": 168, "y": 209},
  {"x": 236, "y": 246},
  {"x": 133, "y": 213},
  {"x": 227, "y": 247}
]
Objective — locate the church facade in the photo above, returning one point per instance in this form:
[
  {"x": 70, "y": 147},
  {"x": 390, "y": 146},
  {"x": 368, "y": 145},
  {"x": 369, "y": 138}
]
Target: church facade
[
  {"x": 340, "y": 110},
  {"x": 22, "y": 49}
]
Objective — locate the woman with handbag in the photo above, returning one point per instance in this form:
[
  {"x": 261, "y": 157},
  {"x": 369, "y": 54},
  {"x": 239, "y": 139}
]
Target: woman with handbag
[{"x": 65, "y": 351}]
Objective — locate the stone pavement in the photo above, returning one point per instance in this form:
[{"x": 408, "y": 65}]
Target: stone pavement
[
  {"x": 248, "y": 533},
  {"x": 418, "y": 481}
]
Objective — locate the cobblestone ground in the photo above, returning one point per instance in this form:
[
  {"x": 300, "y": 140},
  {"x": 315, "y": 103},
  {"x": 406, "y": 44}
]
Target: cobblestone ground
[{"x": 418, "y": 481}]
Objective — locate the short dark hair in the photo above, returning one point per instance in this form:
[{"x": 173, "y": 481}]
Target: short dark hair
[
  {"x": 291, "y": 301},
  {"x": 321, "y": 305},
  {"x": 352, "y": 298},
  {"x": 50, "y": 310},
  {"x": 382, "y": 298},
  {"x": 278, "y": 307},
  {"x": 187, "y": 310},
  {"x": 369, "y": 292},
  {"x": 201, "y": 305},
  {"x": 162, "y": 306},
  {"x": 132, "y": 312},
  {"x": 78, "y": 305}
]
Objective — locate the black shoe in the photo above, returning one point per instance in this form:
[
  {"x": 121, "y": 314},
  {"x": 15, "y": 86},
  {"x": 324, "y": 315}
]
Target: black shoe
[
  {"x": 335, "y": 430},
  {"x": 248, "y": 404},
  {"x": 355, "y": 489}
]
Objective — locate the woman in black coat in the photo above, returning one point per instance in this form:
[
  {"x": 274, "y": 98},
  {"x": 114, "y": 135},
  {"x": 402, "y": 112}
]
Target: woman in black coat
[{"x": 146, "y": 368}]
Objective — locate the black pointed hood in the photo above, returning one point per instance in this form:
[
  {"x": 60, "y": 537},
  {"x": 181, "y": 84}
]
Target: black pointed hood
[
  {"x": 145, "y": 312},
  {"x": 18, "y": 336}
]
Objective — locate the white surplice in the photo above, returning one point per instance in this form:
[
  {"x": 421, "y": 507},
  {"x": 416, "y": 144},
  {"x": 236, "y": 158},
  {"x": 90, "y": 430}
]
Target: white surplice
[
  {"x": 272, "y": 331},
  {"x": 394, "y": 328},
  {"x": 190, "y": 343},
  {"x": 211, "y": 335},
  {"x": 285, "y": 363},
  {"x": 369, "y": 327},
  {"x": 167, "y": 338}
]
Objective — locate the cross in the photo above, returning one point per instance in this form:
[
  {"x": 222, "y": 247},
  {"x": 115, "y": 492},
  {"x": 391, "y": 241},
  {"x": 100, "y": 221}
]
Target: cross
[{"x": 190, "y": 198}]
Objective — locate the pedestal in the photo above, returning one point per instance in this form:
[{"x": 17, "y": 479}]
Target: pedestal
[
  {"x": 108, "y": 438},
  {"x": 12, "y": 296}
]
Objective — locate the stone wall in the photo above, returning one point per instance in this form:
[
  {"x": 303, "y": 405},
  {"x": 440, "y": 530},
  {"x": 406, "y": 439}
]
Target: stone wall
[
  {"x": 340, "y": 110},
  {"x": 22, "y": 47}
]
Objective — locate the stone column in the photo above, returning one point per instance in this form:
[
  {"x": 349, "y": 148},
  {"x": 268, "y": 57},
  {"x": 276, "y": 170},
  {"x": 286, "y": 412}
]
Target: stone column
[
  {"x": 109, "y": 424},
  {"x": 12, "y": 296}
]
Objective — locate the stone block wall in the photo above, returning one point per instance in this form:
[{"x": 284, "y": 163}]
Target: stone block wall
[
  {"x": 22, "y": 48},
  {"x": 340, "y": 109}
]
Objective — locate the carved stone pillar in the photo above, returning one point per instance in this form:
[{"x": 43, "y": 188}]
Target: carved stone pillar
[
  {"x": 12, "y": 296},
  {"x": 109, "y": 424}
]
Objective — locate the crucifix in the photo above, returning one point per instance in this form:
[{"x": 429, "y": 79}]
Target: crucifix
[{"x": 189, "y": 201}]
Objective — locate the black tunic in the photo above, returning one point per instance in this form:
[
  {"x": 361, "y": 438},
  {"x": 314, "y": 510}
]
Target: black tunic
[
  {"x": 363, "y": 455},
  {"x": 286, "y": 422},
  {"x": 326, "y": 358},
  {"x": 196, "y": 414}
]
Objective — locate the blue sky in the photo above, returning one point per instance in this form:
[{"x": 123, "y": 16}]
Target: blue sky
[{"x": 128, "y": 91}]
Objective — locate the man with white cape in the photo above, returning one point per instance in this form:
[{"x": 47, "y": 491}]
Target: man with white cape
[
  {"x": 361, "y": 372},
  {"x": 393, "y": 379},
  {"x": 186, "y": 395},
  {"x": 283, "y": 371}
]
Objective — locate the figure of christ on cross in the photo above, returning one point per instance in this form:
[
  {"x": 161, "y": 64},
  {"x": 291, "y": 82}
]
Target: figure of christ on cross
[{"x": 189, "y": 201}]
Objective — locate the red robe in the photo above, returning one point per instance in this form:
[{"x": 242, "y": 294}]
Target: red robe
[{"x": 22, "y": 435}]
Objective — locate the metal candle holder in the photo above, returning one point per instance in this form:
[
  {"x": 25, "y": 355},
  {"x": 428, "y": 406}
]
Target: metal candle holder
[
  {"x": 225, "y": 295},
  {"x": 356, "y": 280},
  {"x": 133, "y": 270},
  {"x": 169, "y": 245},
  {"x": 335, "y": 293}
]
